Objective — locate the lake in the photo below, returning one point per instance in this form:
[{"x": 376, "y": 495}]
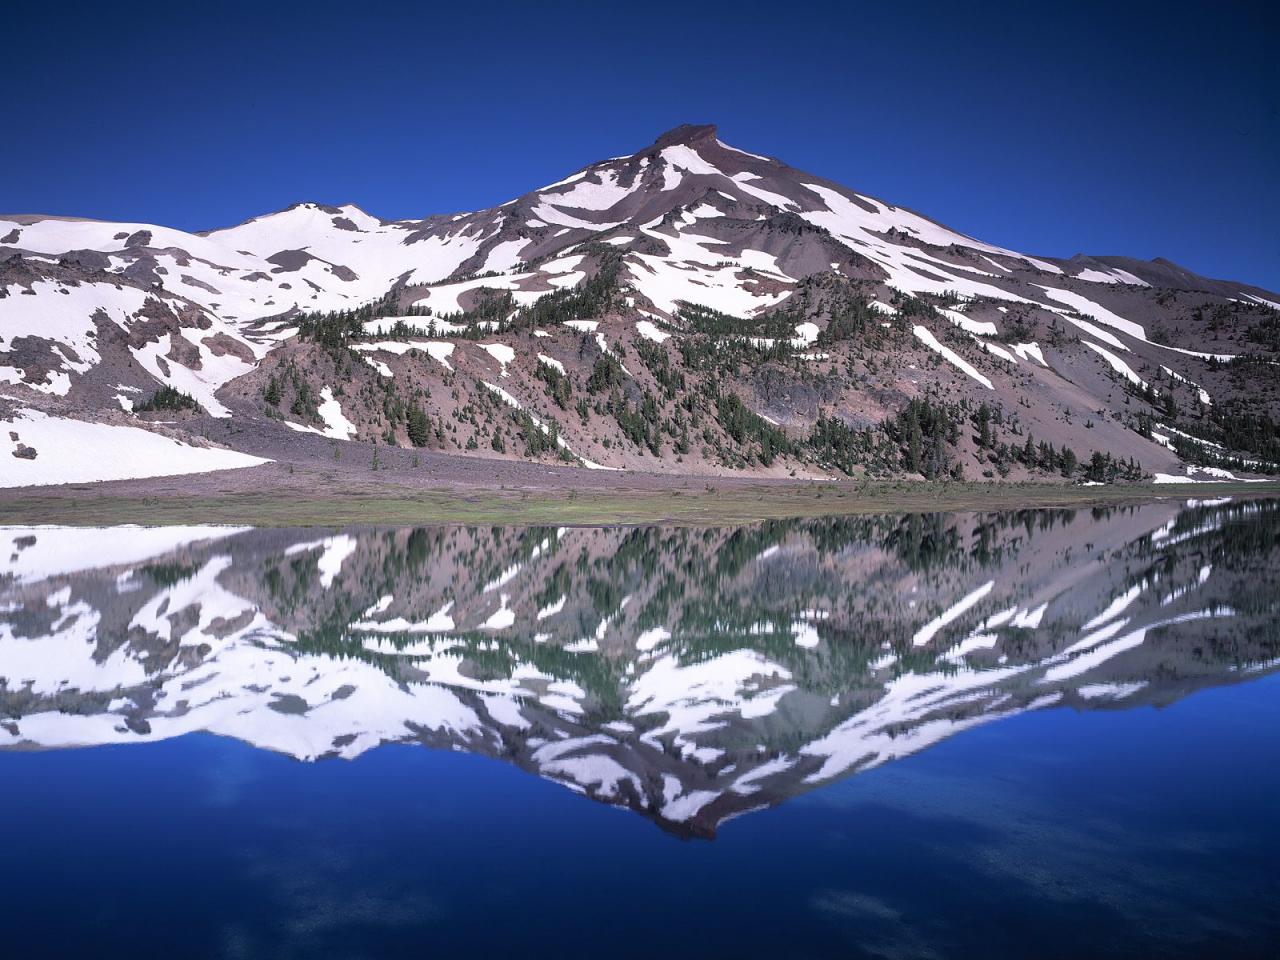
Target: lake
[{"x": 1048, "y": 733}]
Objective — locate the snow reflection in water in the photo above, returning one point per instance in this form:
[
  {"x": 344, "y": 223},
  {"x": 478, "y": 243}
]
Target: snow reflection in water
[{"x": 690, "y": 675}]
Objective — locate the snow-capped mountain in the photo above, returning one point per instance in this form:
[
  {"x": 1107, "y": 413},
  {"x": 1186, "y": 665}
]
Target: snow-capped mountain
[
  {"x": 690, "y": 675},
  {"x": 607, "y": 319}
]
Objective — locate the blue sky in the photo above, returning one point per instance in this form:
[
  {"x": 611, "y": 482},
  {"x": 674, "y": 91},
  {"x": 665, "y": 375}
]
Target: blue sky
[{"x": 1141, "y": 129}]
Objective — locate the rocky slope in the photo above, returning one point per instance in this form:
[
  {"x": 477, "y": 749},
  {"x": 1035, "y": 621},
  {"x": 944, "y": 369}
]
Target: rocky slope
[{"x": 689, "y": 308}]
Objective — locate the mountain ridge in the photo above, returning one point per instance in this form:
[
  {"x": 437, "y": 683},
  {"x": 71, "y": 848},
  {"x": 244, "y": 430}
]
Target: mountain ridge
[
  {"x": 704, "y": 309},
  {"x": 682, "y": 134}
]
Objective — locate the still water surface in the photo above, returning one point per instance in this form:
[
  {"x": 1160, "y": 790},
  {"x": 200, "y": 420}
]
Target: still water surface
[{"x": 1047, "y": 733}]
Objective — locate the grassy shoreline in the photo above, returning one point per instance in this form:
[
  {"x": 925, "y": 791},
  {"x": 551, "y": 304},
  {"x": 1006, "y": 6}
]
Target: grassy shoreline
[{"x": 735, "y": 502}]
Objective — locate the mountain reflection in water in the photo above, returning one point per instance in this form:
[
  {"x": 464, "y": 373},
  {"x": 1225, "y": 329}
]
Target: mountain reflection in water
[{"x": 691, "y": 675}]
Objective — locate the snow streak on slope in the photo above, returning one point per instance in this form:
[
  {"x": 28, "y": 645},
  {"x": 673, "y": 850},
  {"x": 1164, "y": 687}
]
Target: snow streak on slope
[{"x": 929, "y": 340}]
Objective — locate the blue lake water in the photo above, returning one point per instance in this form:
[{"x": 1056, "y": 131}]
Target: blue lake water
[{"x": 1049, "y": 734}]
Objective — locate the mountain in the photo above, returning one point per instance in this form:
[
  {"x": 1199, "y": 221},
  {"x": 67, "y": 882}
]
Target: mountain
[
  {"x": 690, "y": 308},
  {"x": 690, "y": 675}
]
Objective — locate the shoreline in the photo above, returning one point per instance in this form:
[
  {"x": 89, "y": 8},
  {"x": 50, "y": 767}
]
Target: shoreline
[{"x": 329, "y": 500}]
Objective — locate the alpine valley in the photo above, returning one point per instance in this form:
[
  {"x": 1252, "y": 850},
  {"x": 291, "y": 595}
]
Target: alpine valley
[{"x": 688, "y": 309}]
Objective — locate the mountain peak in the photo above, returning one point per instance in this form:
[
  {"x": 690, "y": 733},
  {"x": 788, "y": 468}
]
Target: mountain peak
[
  {"x": 725, "y": 270},
  {"x": 686, "y": 133}
]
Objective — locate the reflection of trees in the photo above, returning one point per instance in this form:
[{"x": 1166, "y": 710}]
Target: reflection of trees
[
  {"x": 844, "y": 577},
  {"x": 864, "y": 586},
  {"x": 700, "y": 583}
]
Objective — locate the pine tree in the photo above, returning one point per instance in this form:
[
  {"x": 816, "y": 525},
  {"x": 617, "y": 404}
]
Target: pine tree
[{"x": 419, "y": 427}]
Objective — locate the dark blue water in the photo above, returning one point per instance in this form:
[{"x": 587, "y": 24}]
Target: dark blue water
[
  {"x": 1050, "y": 734},
  {"x": 1054, "y": 834}
]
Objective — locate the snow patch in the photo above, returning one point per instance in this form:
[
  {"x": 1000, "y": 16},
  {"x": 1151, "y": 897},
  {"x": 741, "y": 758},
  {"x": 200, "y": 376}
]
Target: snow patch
[{"x": 75, "y": 451}]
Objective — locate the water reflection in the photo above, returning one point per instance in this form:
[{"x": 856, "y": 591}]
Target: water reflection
[{"x": 691, "y": 675}]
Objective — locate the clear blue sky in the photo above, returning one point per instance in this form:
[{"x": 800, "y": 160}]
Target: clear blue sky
[{"x": 1142, "y": 129}]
